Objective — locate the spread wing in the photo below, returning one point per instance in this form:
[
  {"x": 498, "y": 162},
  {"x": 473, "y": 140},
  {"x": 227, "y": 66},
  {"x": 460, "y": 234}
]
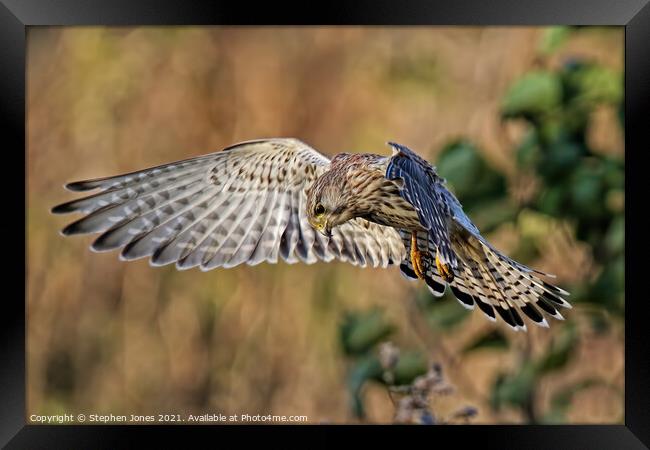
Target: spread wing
[
  {"x": 423, "y": 189},
  {"x": 244, "y": 204}
]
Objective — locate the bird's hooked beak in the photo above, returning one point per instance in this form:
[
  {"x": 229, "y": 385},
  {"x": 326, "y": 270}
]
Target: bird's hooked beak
[
  {"x": 327, "y": 232},
  {"x": 322, "y": 226}
]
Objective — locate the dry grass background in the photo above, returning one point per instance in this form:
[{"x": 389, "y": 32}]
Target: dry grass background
[{"x": 111, "y": 337}]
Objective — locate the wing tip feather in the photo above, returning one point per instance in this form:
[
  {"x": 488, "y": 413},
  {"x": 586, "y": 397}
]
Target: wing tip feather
[
  {"x": 80, "y": 186},
  {"x": 63, "y": 208},
  {"x": 72, "y": 229}
]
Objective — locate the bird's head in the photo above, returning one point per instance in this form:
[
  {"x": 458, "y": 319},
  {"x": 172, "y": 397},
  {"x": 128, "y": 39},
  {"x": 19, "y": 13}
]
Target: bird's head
[{"x": 329, "y": 202}]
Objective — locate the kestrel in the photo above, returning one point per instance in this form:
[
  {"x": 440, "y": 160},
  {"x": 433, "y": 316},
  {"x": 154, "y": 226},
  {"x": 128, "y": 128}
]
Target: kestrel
[{"x": 268, "y": 199}]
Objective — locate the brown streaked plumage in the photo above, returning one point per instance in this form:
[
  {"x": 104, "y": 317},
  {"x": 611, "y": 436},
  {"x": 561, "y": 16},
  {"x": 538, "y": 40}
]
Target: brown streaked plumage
[
  {"x": 264, "y": 200},
  {"x": 355, "y": 186}
]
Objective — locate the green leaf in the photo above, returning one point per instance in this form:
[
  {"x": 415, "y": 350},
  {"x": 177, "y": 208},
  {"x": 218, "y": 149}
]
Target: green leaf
[
  {"x": 588, "y": 84},
  {"x": 615, "y": 239},
  {"x": 493, "y": 340},
  {"x": 609, "y": 288},
  {"x": 535, "y": 93},
  {"x": 587, "y": 193},
  {"x": 466, "y": 171},
  {"x": 552, "y": 129},
  {"x": 529, "y": 151},
  {"x": 614, "y": 175},
  {"x": 492, "y": 213},
  {"x": 553, "y": 200},
  {"x": 409, "y": 366},
  {"x": 361, "y": 331},
  {"x": 553, "y": 38},
  {"x": 600, "y": 84},
  {"x": 367, "y": 368},
  {"x": 560, "y": 159}
]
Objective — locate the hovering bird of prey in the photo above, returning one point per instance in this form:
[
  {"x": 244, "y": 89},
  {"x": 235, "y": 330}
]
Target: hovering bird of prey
[{"x": 268, "y": 199}]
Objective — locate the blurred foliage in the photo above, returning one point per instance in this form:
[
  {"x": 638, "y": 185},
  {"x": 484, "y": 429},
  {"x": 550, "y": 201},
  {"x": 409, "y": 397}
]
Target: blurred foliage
[
  {"x": 518, "y": 389},
  {"x": 576, "y": 185},
  {"x": 552, "y": 39},
  {"x": 404, "y": 373},
  {"x": 360, "y": 336},
  {"x": 579, "y": 184}
]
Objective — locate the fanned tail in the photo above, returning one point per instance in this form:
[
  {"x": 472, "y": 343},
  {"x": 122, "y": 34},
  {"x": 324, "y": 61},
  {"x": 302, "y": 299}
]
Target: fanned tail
[
  {"x": 496, "y": 283},
  {"x": 510, "y": 288}
]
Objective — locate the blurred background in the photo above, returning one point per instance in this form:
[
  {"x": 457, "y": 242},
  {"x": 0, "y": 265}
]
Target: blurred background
[{"x": 526, "y": 124}]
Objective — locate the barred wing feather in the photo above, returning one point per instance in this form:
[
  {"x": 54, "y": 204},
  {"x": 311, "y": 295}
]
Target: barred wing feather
[{"x": 244, "y": 204}]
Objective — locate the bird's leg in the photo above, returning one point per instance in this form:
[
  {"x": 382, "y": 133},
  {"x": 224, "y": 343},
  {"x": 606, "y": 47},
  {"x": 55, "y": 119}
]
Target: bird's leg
[
  {"x": 416, "y": 256},
  {"x": 444, "y": 270}
]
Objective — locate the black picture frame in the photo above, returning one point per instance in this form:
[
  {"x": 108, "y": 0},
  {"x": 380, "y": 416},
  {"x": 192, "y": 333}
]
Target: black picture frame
[{"x": 17, "y": 15}]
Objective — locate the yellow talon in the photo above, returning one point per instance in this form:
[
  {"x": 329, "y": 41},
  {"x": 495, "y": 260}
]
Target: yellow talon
[
  {"x": 444, "y": 270},
  {"x": 416, "y": 257}
]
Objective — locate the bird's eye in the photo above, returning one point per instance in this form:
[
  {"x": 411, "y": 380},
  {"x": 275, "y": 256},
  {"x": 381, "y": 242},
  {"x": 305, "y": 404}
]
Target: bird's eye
[{"x": 319, "y": 210}]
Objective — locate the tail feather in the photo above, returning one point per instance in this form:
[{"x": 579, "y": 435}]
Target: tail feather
[
  {"x": 531, "y": 290},
  {"x": 488, "y": 295},
  {"x": 467, "y": 283},
  {"x": 496, "y": 283},
  {"x": 473, "y": 288},
  {"x": 524, "y": 288},
  {"x": 503, "y": 306}
]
